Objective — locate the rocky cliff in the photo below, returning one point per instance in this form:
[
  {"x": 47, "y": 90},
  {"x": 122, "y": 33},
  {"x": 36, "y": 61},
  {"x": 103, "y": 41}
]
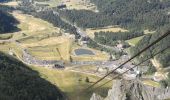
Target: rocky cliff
[{"x": 134, "y": 90}]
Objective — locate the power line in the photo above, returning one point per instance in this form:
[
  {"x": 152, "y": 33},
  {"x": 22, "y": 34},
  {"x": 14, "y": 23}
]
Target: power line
[
  {"x": 132, "y": 68},
  {"x": 156, "y": 41}
]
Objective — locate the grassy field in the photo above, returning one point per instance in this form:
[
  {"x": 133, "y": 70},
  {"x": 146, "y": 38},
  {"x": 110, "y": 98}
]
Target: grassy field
[
  {"x": 134, "y": 41},
  {"x": 5, "y": 36},
  {"x": 37, "y": 33},
  {"x": 151, "y": 83},
  {"x": 53, "y": 48},
  {"x": 71, "y": 4},
  {"x": 86, "y": 68},
  {"x": 11, "y": 47},
  {"x": 30, "y": 25},
  {"x": 149, "y": 32},
  {"x": 12, "y": 3},
  {"x": 49, "y": 54},
  {"x": 71, "y": 83},
  {"x": 79, "y": 5},
  {"x": 90, "y": 32}
]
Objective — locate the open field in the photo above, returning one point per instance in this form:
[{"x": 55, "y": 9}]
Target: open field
[
  {"x": 5, "y": 36},
  {"x": 79, "y": 5},
  {"x": 12, "y": 3},
  {"x": 92, "y": 69},
  {"x": 45, "y": 55},
  {"x": 11, "y": 47},
  {"x": 151, "y": 83},
  {"x": 149, "y": 32},
  {"x": 134, "y": 41},
  {"x": 90, "y": 32},
  {"x": 71, "y": 83},
  {"x": 72, "y": 4},
  {"x": 53, "y": 47},
  {"x": 47, "y": 41},
  {"x": 30, "y": 25},
  {"x": 35, "y": 32}
]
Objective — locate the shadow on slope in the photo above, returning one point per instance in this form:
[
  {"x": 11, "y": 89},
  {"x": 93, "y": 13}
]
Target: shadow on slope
[
  {"x": 8, "y": 23},
  {"x": 18, "y": 82}
]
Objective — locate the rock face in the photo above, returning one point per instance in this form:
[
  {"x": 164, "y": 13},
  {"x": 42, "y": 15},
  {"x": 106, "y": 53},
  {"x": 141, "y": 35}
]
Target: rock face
[
  {"x": 96, "y": 97},
  {"x": 134, "y": 90}
]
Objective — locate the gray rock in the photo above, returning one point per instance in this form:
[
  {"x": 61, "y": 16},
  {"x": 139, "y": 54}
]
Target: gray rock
[
  {"x": 134, "y": 90},
  {"x": 96, "y": 97}
]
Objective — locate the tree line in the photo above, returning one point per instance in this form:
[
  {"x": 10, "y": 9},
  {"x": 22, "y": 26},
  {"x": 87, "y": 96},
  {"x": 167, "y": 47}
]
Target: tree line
[
  {"x": 163, "y": 58},
  {"x": 7, "y": 21},
  {"x": 140, "y": 14},
  {"x": 109, "y": 38},
  {"x": 19, "y": 82}
]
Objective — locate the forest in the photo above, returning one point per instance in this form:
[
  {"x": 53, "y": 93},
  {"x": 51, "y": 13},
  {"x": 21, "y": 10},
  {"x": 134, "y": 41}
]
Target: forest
[
  {"x": 140, "y": 14},
  {"x": 108, "y": 38},
  {"x": 19, "y": 82},
  {"x": 7, "y": 21},
  {"x": 163, "y": 58},
  {"x": 5, "y": 0}
]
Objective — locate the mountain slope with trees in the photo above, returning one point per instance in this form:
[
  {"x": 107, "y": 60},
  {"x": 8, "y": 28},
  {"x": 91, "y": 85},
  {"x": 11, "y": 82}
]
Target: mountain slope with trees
[
  {"x": 7, "y": 21},
  {"x": 140, "y": 14},
  {"x": 18, "y": 82},
  {"x": 163, "y": 58}
]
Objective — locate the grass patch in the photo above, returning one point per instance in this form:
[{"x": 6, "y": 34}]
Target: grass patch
[
  {"x": 71, "y": 4},
  {"x": 90, "y": 32},
  {"x": 8, "y": 47},
  {"x": 12, "y": 3},
  {"x": 45, "y": 55},
  {"x": 32, "y": 26},
  {"x": 85, "y": 68},
  {"x": 134, "y": 41},
  {"x": 53, "y": 47},
  {"x": 69, "y": 83},
  {"x": 149, "y": 32},
  {"x": 151, "y": 83},
  {"x": 5, "y": 36}
]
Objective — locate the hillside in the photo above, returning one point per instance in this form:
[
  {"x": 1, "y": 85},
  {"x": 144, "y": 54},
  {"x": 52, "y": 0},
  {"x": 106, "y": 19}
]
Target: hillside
[
  {"x": 159, "y": 63},
  {"x": 138, "y": 14},
  {"x": 7, "y": 21},
  {"x": 5, "y": 0},
  {"x": 58, "y": 48},
  {"x": 134, "y": 90},
  {"x": 18, "y": 82}
]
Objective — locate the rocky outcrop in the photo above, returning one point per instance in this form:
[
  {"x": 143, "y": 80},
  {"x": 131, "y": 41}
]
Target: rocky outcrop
[
  {"x": 134, "y": 90},
  {"x": 96, "y": 97}
]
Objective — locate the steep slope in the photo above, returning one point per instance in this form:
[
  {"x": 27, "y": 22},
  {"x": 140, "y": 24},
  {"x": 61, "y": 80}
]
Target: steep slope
[
  {"x": 140, "y": 14},
  {"x": 162, "y": 59},
  {"x": 7, "y": 21},
  {"x": 134, "y": 90},
  {"x": 5, "y": 0},
  {"x": 18, "y": 82}
]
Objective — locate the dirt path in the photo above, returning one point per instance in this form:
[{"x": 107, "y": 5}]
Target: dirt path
[{"x": 88, "y": 73}]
